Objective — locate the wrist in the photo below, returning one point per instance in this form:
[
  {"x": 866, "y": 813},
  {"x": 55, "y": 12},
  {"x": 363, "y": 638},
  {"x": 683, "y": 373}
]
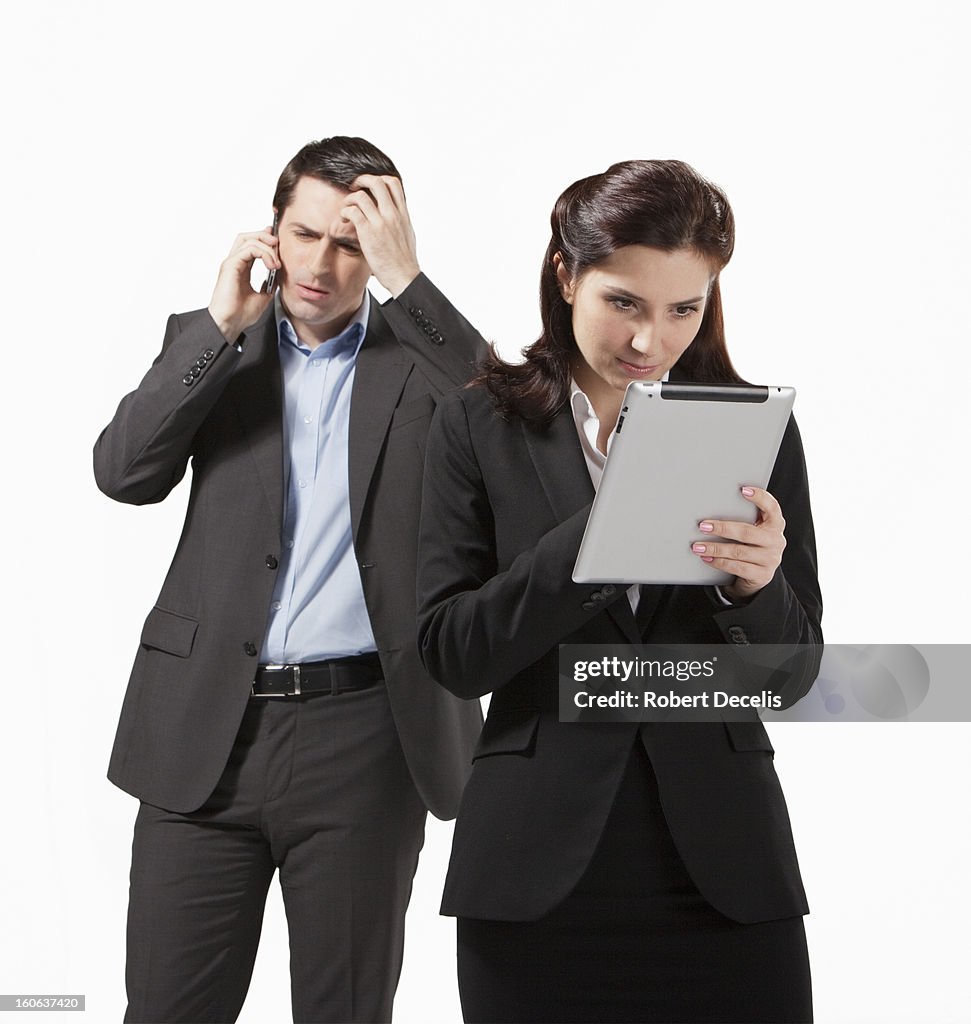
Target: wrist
[
  {"x": 399, "y": 280},
  {"x": 733, "y": 595},
  {"x": 229, "y": 327}
]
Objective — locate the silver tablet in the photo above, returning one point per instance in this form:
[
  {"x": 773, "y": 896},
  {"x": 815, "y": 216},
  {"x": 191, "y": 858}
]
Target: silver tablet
[{"x": 680, "y": 454}]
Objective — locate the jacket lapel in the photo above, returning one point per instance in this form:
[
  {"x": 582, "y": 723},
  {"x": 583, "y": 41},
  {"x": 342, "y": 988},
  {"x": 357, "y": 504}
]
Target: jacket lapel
[
  {"x": 379, "y": 376},
  {"x": 257, "y": 391},
  {"x": 562, "y": 470},
  {"x": 648, "y": 605},
  {"x": 559, "y": 463}
]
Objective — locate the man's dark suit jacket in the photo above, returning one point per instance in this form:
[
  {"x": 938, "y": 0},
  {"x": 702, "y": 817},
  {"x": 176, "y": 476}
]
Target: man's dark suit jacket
[
  {"x": 504, "y": 511},
  {"x": 202, "y": 400}
]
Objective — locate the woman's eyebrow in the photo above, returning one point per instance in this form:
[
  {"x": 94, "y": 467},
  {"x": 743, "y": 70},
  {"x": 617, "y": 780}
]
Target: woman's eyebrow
[
  {"x": 632, "y": 295},
  {"x": 622, "y": 291}
]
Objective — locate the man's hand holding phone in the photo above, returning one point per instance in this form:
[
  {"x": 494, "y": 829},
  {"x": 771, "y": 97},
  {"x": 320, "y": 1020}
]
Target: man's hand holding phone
[
  {"x": 377, "y": 209},
  {"x": 235, "y": 304}
]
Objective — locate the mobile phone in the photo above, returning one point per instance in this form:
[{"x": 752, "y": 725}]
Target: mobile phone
[{"x": 271, "y": 279}]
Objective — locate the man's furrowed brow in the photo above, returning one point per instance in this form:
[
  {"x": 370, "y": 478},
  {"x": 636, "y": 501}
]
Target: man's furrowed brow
[{"x": 298, "y": 226}]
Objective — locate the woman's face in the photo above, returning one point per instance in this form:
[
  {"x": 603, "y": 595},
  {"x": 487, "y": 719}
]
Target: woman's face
[{"x": 634, "y": 313}]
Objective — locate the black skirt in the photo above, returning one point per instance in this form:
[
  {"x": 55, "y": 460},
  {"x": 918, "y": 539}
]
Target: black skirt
[{"x": 635, "y": 941}]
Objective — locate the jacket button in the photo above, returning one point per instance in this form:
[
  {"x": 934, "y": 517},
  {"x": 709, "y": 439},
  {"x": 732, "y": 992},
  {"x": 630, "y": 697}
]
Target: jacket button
[
  {"x": 249, "y": 648},
  {"x": 271, "y": 562},
  {"x": 608, "y": 590},
  {"x": 188, "y": 379},
  {"x": 597, "y": 595},
  {"x": 737, "y": 635},
  {"x": 208, "y": 354},
  {"x": 588, "y": 606}
]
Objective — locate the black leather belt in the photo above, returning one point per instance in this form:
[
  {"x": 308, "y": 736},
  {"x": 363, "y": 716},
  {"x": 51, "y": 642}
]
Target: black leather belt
[{"x": 338, "y": 675}]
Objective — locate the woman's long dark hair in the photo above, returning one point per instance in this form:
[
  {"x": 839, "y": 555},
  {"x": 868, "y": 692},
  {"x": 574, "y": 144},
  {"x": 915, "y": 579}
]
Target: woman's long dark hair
[{"x": 664, "y": 204}]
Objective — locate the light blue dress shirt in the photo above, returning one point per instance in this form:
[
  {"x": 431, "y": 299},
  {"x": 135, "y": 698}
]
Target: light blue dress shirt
[{"x": 318, "y": 608}]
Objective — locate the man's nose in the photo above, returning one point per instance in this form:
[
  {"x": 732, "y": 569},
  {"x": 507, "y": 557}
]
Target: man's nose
[{"x": 319, "y": 264}]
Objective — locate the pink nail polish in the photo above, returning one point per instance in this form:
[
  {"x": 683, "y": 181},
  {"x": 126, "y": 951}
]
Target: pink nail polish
[
  {"x": 699, "y": 548},
  {"x": 707, "y": 558},
  {"x": 748, "y": 492},
  {"x": 706, "y": 527}
]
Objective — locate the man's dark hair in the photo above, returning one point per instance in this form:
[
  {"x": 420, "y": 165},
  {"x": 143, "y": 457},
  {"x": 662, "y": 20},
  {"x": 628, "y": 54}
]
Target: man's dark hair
[{"x": 337, "y": 160}]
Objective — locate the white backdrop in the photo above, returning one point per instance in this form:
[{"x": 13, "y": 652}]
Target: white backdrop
[{"x": 139, "y": 142}]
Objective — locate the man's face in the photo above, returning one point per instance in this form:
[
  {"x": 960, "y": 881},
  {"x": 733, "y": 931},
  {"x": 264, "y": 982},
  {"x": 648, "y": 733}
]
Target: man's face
[{"x": 324, "y": 273}]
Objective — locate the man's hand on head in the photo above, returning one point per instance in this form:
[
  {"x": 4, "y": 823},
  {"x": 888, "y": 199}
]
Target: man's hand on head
[
  {"x": 377, "y": 209},
  {"x": 235, "y": 304}
]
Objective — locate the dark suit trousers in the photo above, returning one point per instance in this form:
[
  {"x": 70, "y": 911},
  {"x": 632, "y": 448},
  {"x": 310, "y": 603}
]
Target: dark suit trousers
[{"x": 318, "y": 787}]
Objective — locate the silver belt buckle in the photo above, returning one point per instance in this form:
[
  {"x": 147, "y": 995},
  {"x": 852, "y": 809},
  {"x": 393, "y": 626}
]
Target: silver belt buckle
[{"x": 280, "y": 668}]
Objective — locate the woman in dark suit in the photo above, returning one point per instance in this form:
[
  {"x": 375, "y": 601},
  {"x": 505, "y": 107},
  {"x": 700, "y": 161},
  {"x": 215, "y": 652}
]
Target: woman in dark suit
[{"x": 607, "y": 871}]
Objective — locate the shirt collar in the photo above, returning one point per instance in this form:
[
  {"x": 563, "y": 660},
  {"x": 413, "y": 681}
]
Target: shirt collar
[
  {"x": 588, "y": 422},
  {"x": 582, "y": 406},
  {"x": 350, "y": 338},
  {"x": 579, "y": 403},
  {"x": 587, "y": 427}
]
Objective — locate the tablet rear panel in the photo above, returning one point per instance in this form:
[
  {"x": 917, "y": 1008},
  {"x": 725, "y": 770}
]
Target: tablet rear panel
[{"x": 680, "y": 454}]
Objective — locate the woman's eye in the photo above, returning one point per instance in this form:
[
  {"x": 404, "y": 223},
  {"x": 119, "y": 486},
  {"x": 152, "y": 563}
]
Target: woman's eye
[
  {"x": 683, "y": 312},
  {"x": 621, "y": 303}
]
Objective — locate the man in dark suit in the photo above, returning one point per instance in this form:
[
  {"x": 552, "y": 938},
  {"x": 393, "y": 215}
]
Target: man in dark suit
[{"x": 277, "y": 714}]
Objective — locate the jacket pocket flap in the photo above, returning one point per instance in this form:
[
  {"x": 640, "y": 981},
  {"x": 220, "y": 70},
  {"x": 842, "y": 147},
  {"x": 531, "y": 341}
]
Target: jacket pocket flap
[
  {"x": 169, "y": 632},
  {"x": 749, "y": 736},
  {"x": 507, "y": 732}
]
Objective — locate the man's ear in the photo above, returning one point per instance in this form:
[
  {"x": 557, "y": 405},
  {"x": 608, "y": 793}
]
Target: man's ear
[{"x": 563, "y": 278}]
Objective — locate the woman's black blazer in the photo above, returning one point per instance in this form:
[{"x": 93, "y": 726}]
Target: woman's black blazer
[{"x": 504, "y": 509}]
